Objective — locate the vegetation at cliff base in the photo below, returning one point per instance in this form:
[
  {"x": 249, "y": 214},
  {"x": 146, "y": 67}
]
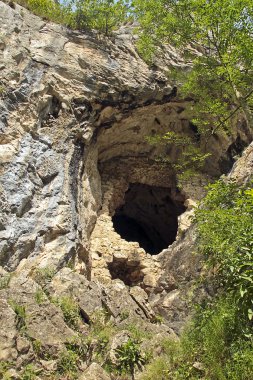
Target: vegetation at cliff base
[
  {"x": 225, "y": 231},
  {"x": 218, "y": 344}
]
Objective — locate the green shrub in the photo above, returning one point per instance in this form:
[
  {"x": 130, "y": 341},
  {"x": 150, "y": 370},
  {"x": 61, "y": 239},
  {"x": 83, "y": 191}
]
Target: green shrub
[
  {"x": 99, "y": 320},
  {"x": 240, "y": 367},
  {"x": 37, "y": 347},
  {"x": 43, "y": 276},
  {"x": 129, "y": 356},
  {"x": 190, "y": 157},
  {"x": 30, "y": 372},
  {"x": 138, "y": 331},
  {"x": 102, "y": 15},
  {"x": 2, "y": 90},
  {"x": 67, "y": 364},
  {"x": 158, "y": 369},
  {"x": 21, "y": 316},
  {"x": 225, "y": 230},
  {"x": 102, "y": 331},
  {"x": 70, "y": 310},
  {"x": 40, "y": 297},
  {"x": 79, "y": 346},
  {"x": 4, "y": 369},
  {"x": 218, "y": 344},
  {"x": 158, "y": 319},
  {"x": 124, "y": 315},
  {"x": 51, "y": 10},
  {"x": 5, "y": 280}
]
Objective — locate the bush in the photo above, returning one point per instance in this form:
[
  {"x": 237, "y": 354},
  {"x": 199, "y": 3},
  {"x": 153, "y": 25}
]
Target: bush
[
  {"x": 51, "y": 10},
  {"x": 102, "y": 15},
  {"x": 43, "y": 276},
  {"x": 79, "y": 346},
  {"x": 225, "y": 231},
  {"x": 67, "y": 364},
  {"x": 4, "y": 369},
  {"x": 70, "y": 310},
  {"x": 21, "y": 316},
  {"x": 158, "y": 369},
  {"x": 4, "y": 281},
  {"x": 129, "y": 356},
  {"x": 40, "y": 297},
  {"x": 30, "y": 372},
  {"x": 218, "y": 345}
]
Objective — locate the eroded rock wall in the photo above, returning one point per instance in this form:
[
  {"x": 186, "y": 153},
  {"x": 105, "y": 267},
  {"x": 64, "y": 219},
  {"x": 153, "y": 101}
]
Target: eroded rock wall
[
  {"x": 60, "y": 89},
  {"x": 75, "y": 113},
  {"x": 76, "y": 110}
]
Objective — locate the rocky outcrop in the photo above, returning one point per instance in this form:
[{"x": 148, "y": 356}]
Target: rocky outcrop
[
  {"x": 75, "y": 113},
  {"x": 89, "y": 217},
  {"x": 242, "y": 170}
]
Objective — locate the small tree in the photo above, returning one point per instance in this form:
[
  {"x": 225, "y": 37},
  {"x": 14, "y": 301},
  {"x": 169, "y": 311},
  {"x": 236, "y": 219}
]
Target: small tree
[
  {"x": 221, "y": 34},
  {"x": 102, "y": 15}
]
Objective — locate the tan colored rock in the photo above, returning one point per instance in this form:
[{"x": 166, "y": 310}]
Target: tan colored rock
[
  {"x": 8, "y": 332},
  {"x": 94, "y": 372},
  {"x": 118, "y": 301},
  {"x": 87, "y": 294},
  {"x": 141, "y": 298},
  {"x": 74, "y": 121},
  {"x": 243, "y": 168},
  {"x": 49, "y": 365},
  {"x": 23, "y": 345},
  {"x": 118, "y": 340},
  {"x": 74, "y": 103}
]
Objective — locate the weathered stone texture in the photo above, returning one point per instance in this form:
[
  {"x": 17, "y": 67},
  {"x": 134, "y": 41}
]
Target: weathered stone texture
[{"x": 75, "y": 113}]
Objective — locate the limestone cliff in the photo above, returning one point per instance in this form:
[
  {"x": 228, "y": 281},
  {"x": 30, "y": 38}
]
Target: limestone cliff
[{"x": 77, "y": 173}]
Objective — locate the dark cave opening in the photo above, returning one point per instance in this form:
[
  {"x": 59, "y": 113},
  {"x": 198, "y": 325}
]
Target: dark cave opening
[
  {"x": 130, "y": 274},
  {"x": 149, "y": 216}
]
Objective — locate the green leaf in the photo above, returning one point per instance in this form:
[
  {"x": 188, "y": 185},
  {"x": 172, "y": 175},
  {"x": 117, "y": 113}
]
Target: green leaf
[{"x": 250, "y": 314}]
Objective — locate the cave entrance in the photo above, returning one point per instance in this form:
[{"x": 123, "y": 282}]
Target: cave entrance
[{"x": 149, "y": 216}]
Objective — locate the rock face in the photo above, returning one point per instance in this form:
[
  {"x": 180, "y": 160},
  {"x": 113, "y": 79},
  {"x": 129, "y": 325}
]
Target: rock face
[
  {"x": 82, "y": 192},
  {"x": 75, "y": 113}
]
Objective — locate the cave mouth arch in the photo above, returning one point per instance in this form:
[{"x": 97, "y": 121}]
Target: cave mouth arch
[{"x": 149, "y": 216}]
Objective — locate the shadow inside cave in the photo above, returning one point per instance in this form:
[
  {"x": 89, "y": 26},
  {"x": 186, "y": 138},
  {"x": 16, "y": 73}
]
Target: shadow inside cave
[{"x": 149, "y": 216}]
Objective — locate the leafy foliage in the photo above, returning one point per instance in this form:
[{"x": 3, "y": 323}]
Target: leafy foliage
[
  {"x": 30, "y": 372},
  {"x": 101, "y": 15},
  {"x": 79, "y": 346},
  {"x": 129, "y": 356},
  {"x": 218, "y": 36},
  {"x": 70, "y": 310},
  {"x": 225, "y": 233},
  {"x": 190, "y": 157},
  {"x": 20, "y": 311},
  {"x": 43, "y": 276},
  {"x": 37, "y": 347},
  {"x": 67, "y": 364},
  {"x": 212, "y": 347},
  {"x": 218, "y": 344},
  {"x": 40, "y": 296},
  {"x": 4, "y": 281},
  {"x": 59, "y": 12},
  {"x": 4, "y": 369}
]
